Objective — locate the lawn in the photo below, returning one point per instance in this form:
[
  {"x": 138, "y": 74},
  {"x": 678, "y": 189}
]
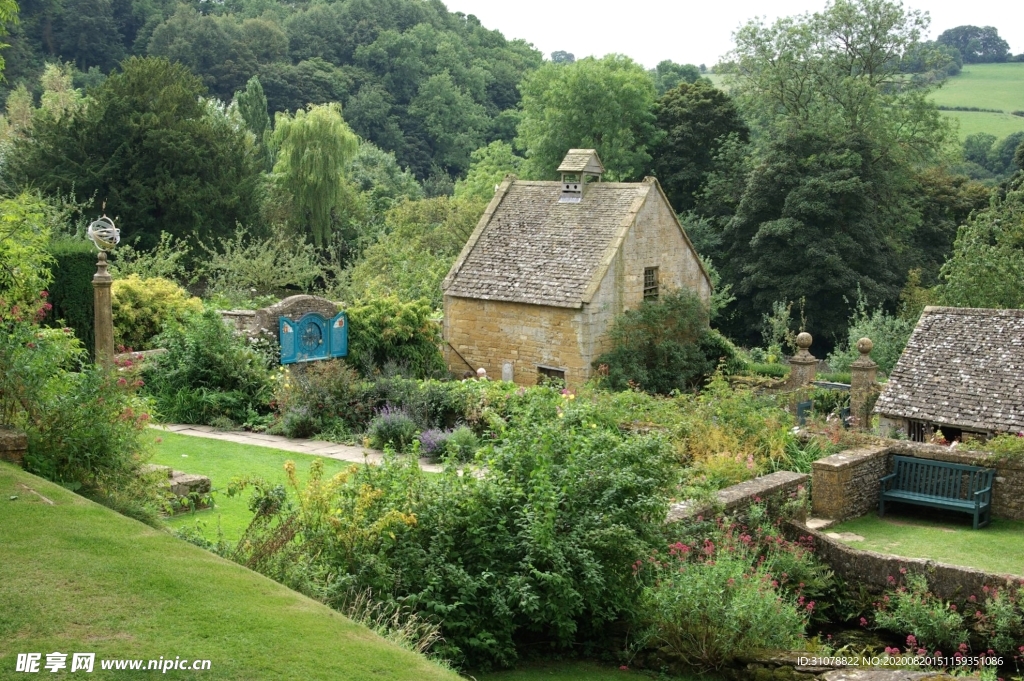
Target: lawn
[
  {"x": 77, "y": 577},
  {"x": 997, "y": 548},
  {"x": 221, "y": 462}
]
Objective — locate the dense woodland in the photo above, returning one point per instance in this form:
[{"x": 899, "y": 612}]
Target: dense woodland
[{"x": 818, "y": 176}]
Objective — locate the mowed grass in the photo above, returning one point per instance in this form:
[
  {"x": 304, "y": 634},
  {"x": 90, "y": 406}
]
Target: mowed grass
[
  {"x": 77, "y": 577},
  {"x": 971, "y": 122},
  {"x": 943, "y": 538},
  {"x": 222, "y": 462}
]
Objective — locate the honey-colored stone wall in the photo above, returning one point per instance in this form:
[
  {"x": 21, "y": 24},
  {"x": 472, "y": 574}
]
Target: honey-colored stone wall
[
  {"x": 654, "y": 240},
  {"x": 489, "y": 333}
]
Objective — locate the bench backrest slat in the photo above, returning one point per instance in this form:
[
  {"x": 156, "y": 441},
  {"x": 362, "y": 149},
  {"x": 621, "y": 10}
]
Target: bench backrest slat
[{"x": 940, "y": 478}]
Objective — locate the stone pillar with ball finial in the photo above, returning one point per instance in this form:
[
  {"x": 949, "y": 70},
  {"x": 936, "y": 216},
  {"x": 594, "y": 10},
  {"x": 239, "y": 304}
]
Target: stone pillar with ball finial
[
  {"x": 863, "y": 384},
  {"x": 803, "y": 365}
]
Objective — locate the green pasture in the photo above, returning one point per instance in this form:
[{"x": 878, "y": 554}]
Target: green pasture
[
  {"x": 78, "y": 577},
  {"x": 949, "y": 539},
  {"x": 987, "y": 86}
]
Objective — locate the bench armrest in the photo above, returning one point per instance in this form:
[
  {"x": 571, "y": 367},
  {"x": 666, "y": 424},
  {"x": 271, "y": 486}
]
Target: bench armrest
[
  {"x": 987, "y": 490},
  {"x": 886, "y": 479}
]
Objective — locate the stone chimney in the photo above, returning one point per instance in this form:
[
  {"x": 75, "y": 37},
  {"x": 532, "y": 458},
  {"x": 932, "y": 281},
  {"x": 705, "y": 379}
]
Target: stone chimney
[{"x": 579, "y": 168}]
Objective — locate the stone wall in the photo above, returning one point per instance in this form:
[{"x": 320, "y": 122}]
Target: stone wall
[
  {"x": 846, "y": 485},
  {"x": 490, "y": 333},
  {"x": 774, "y": 489},
  {"x": 292, "y": 307},
  {"x": 13, "y": 444},
  {"x": 873, "y": 570}
]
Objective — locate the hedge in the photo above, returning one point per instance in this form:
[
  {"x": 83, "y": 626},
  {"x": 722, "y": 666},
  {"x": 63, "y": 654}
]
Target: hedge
[{"x": 71, "y": 292}]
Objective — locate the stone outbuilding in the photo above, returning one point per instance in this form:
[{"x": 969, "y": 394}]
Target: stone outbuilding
[
  {"x": 962, "y": 372},
  {"x": 551, "y": 264}
]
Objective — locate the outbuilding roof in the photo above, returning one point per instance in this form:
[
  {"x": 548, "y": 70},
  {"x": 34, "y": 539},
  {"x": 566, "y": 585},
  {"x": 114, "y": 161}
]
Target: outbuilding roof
[
  {"x": 581, "y": 161},
  {"x": 530, "y": 248},
  {"x": 962, "y": 367}
]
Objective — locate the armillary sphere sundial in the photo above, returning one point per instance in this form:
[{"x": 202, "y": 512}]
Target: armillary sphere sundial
[{"x": 105, "y": 236}]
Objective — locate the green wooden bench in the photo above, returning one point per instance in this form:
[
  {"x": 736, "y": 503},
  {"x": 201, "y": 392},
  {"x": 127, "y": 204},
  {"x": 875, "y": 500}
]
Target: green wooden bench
[{"x": 939, "y": 484}]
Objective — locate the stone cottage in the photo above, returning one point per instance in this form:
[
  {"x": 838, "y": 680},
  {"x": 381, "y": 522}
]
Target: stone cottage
[
  {"x": 551, "y": 264},
  {"x": 962, "y": 372}
]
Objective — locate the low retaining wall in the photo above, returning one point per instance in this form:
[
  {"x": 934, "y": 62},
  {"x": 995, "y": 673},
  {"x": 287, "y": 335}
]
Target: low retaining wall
[
  {"x": 774, "y": 489},
  {"x": 874, "y": 570},
  {"x": 13, "y": 445},
  {"x": 846, "y": 485}
]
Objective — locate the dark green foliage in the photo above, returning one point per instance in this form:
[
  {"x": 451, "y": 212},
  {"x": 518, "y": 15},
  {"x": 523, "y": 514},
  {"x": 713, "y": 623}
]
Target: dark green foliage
[
  {"x": 813, "y": 225},
  {"x": 158, "y": 157},
  {"x": 71, "y": 291},
  {"x": 207, "y": 372},
  {"x": 695, "y": 119},
  {"x": 976, "y": 45},
  {"x": 664, "y": 345}
]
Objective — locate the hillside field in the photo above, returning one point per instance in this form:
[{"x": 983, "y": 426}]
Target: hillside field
[{"x": 986, "y": 86}]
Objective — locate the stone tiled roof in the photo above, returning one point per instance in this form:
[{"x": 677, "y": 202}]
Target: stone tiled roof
[
  {"x": 530, "y": 248},
  {"x": 962, "y": 367},
  {"x": 580, "y": 160}
]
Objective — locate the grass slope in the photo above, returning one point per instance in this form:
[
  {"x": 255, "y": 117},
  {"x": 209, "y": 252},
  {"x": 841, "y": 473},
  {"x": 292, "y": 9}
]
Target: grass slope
[
  {"x": 77, "y": 577},
  {"x": 223, "y": 461},
  {"x": 567, "y": 671},
  {"x": 997, "y": 548}
]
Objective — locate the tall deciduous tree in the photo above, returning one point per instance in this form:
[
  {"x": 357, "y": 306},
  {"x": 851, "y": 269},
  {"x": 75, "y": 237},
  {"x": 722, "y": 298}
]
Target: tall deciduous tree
[
  {"x": 695, "y": 119},
  {"x": 314, "y": 146},
  {"x": 604, "y": 104},
  {"x": 976, "y": 44},
  {"x": 152, "y": 149},
  {"x": 252, "y": 106}
]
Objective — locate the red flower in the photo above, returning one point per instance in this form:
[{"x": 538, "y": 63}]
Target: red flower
[{"x": 44, "y": 294}]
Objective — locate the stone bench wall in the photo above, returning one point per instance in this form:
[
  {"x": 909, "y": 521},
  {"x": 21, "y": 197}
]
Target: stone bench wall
[
  {"x": 873, "y": 570},
  {"x": 846, "y": 485}
]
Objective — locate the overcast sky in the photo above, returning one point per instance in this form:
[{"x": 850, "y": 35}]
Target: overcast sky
[{"x": 690, "y": 32}]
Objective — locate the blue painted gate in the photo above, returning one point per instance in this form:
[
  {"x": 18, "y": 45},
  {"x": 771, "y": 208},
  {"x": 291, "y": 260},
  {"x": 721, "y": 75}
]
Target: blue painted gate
[{"x": 313, "y": 337}]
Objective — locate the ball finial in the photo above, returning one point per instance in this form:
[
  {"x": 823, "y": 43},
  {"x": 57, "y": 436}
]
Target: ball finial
[
  {"x": 804, "y": 340},
  {"x": 864, "y": 345}
]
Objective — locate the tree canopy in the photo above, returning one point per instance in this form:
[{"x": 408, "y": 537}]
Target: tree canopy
[
  {"x": 976, "y": 45},
  {"x": 147, "y": 146},
  {"x": 604, "y": 104}
]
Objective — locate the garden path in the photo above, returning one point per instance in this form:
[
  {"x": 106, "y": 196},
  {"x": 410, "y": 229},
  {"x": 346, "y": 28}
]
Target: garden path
[{"x": 332, "y": 450}]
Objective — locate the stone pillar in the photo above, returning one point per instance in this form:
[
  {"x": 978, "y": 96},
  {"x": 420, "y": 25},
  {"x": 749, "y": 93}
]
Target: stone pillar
[
  {"x": 863, "y": 384},
  {"x": 13, "y": 445},
  {"x": 104, "y": 317},
  {"x": 803, "y": 366}
]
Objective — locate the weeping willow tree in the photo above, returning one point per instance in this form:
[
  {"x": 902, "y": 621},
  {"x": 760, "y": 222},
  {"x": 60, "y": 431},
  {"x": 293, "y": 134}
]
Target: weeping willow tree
[{"x": 314, "y": 146}]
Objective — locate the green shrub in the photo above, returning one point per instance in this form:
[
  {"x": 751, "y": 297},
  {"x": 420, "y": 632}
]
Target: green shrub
[
  {"x": 320, "y": 396},
  {"x": 665, "y": 345},
  {"x": 392, "y": 428},
  {"x": 141, "y": 307},
  {"x": 726, "y": 594},
  {"x": 888, "y": 333},
  {"x": 85, "y": 424},
  {"x": 386, "y": 332},
  {"x": 772, "y": 370},
  {"x": 912, "y": 610},
  {"x": 1001, "y": 620},
  {"x": 208, "y": 371},
  {"x": 71, "y": 291},
  {"x": 462, "y": 444},
  {"x": 538, "y": 549},
  {"x": 24, "y": 259},
  {"x": 1004, "y": 446},
  {"x": 166, "y": 261}
]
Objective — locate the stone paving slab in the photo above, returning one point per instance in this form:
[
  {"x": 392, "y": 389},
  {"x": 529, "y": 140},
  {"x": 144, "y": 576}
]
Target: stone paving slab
[{"x": 331, "y": 450}]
